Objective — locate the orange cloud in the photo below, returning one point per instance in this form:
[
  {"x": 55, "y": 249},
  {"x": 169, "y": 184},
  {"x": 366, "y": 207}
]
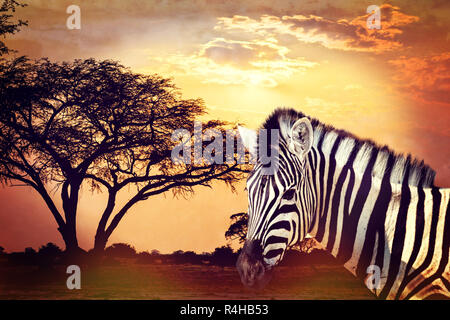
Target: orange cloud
[
  {"x": 340, "y": 34},
  {"x": 426, "y": 78}
]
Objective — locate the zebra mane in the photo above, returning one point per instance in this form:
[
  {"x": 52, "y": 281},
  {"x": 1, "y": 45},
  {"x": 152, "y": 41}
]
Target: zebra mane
[{"x": 419, "y": 172}]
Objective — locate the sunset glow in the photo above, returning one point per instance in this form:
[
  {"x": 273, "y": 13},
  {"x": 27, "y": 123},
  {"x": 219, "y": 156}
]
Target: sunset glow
[{"x": 245, "y": 59}]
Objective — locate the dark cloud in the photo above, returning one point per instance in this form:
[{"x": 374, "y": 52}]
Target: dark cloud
[{"x": 339, "y": 33}]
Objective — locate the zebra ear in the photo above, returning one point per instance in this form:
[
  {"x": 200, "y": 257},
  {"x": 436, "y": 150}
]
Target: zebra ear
[
  {"x": 249, "y": 138},
  {"x": 301, "y": 139}
]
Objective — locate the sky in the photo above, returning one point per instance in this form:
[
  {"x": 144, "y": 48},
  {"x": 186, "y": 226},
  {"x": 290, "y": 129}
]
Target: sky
[{"x": 245, "y": 59}]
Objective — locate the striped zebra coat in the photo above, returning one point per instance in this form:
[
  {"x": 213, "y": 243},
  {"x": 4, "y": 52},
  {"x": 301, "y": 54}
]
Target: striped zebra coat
[{"x": 377, "y": 212}]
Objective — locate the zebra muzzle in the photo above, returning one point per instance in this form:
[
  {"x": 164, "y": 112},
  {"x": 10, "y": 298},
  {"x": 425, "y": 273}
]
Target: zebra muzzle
[{"x": 251, "y": 267}]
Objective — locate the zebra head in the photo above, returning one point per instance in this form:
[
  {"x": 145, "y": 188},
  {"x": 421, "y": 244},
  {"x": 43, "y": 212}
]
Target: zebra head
[{"x": 274, "y": 216}]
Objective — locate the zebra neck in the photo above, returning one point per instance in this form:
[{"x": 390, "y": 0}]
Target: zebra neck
[
  {"x": 345, "y": 202},
  {"x": 365, "y": 222}
]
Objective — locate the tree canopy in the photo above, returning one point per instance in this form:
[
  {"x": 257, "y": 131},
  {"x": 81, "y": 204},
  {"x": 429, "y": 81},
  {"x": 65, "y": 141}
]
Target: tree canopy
[
  {"x": 97, "y": 122},
  {"x": 7, "y": 25},
  {"x": 238, "y": 227}
]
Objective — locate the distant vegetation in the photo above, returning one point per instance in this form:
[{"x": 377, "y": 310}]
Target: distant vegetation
[
  {"x": 305, "y": 252},
  {"x": 118, "y": 253}
]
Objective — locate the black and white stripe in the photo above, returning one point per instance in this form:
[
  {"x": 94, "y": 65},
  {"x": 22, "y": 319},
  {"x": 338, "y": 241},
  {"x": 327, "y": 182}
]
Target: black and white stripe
[
  {"x": 277, "y": 221},
  {"x": 363, "y": 203}
]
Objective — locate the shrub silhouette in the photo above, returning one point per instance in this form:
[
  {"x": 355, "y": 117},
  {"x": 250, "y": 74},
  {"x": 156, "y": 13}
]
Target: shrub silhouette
[
  {"x": 30, "y": 251},
  {"x": 191, "y": 257},
  {"x": 224, "y": 256},
  {"x": 155, "y": 257},
  {"x": 187, "y": 257},
  {"x": 45, "y": 258},
  {"x": 121, "y": 250},
  {"x": 50, "y": 249},
  {"x": 47, "y": 255},
  {"x": 145, "y": 258}
]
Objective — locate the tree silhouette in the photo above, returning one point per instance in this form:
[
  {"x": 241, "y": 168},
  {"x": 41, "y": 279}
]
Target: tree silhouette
[
  {"x": 238, "y": 227},
  {"x": 6, "y": 25},
  {"x": 97, "y": 123}
]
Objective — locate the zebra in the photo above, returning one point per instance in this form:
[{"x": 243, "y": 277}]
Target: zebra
[{"x": 366, "y": 205}]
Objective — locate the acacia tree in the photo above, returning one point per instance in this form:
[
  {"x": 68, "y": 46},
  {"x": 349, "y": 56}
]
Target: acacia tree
[
  {"x": 63, "y": 125},
  {"x": 238, "y": 227},
  {"x": 7, "y": 26}
]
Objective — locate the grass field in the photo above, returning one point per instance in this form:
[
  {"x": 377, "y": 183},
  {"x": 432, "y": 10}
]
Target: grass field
[{"x": 134, "y": 281}]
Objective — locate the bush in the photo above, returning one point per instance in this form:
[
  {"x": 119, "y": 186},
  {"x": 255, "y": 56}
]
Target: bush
[
  {"x": 50, "y": 249},
  {"x": 224, "y": 256},
  {"x": 147, "y": 258},
  {"x": 30, "y": 251},
  {"x": 47, "y": 255},
  {"x": 121, "y": 250}
]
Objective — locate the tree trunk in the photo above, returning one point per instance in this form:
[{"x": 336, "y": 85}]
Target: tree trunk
[
  {"x": 100, "y": 242},
  {"x": 70, "y": 239},
  {"x": 70, "y": 202},
  {"x": 101, "y": 238},
  {"x": 103, "y": 232}
]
